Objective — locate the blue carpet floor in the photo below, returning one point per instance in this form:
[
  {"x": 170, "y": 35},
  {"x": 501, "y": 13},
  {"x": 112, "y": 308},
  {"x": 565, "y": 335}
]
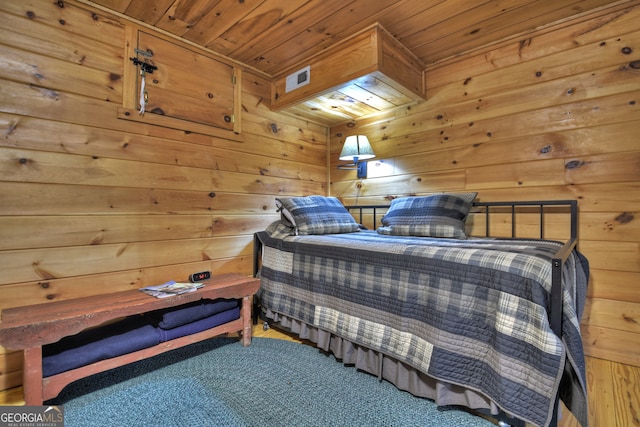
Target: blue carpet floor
[{"x": 270, "y": 383}]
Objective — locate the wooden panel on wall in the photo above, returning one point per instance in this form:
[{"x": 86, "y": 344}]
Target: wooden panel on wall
[
  {"x": 94, "y": 204},
  {"x": 30, "y": 232},
  {"x": 552, "y": 117},
  {"x": 186, "y": 84}
]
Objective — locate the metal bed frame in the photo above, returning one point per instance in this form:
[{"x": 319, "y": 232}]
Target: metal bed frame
[{"x": 557, "y": 261}]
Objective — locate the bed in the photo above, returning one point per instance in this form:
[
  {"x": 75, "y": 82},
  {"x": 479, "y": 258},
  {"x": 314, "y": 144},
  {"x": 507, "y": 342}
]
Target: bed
[{"x": 490, "y": 324}]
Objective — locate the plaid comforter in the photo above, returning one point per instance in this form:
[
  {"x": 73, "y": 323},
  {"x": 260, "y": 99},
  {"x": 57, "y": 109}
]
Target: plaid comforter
[{"x": 469, "y": 312}]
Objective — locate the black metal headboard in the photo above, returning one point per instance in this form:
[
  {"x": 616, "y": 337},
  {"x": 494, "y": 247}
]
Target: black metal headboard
[{"x": 541, "y": 205}]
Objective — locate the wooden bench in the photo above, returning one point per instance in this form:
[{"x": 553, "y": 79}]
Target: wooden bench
[{"x": 28, "y": 328}]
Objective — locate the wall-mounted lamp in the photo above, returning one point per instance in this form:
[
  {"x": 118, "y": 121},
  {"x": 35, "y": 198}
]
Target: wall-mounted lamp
[{"x": 356, "y": 148}]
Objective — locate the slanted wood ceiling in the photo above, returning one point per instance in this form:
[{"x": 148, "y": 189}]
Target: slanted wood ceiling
[{"x": 275, "y": 35}]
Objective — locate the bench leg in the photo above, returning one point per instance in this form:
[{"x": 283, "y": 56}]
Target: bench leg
[
  {"x": 247, "y": 303},
  {"x": 32, "y": 376}
]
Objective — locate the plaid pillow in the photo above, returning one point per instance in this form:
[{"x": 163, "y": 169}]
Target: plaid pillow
[
  {"x": 316, "y": 215},
  {"x": 440, "y": 215}
]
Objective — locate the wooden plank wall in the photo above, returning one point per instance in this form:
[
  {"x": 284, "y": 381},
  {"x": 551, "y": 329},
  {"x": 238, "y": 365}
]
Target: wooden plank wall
[
  {"x": 552, "y": 116},
  {"x": 92, "y": 204}
]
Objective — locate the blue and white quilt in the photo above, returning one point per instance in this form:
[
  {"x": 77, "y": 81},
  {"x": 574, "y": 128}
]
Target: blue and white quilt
[{"x": 469, "y": 312}]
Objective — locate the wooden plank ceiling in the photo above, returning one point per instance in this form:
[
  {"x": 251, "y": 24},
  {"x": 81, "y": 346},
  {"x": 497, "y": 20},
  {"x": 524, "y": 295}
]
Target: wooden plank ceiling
[{"x": 275, "y": 35}]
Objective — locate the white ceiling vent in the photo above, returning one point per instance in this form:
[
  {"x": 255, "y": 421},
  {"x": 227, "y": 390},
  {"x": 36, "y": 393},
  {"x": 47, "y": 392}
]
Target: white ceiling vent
[{"x": 298, "y": 79}]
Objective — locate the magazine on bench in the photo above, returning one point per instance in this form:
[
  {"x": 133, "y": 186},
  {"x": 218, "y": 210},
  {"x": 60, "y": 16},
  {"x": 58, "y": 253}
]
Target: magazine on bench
[{"x": 171, "y": 288}]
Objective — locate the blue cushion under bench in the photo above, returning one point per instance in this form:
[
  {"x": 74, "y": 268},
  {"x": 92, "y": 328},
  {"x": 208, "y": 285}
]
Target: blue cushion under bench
[
  {"x": 181, "y": 315},
  {"x": 136, "y": 333}
]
